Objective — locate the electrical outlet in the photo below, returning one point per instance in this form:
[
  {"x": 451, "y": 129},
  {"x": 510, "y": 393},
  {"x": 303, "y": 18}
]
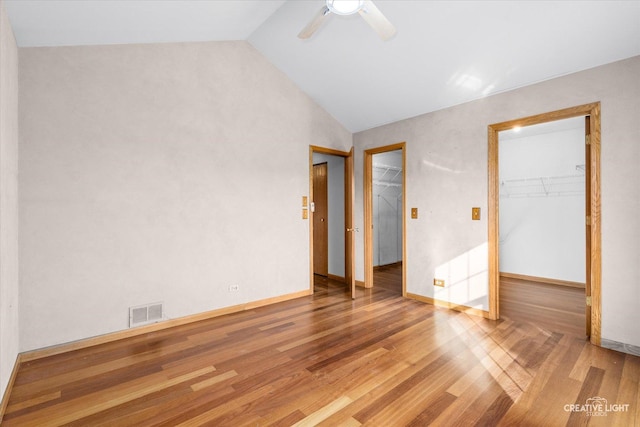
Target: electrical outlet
[
  {"x": 438, "y": 282},
  {"x": 234, "y": 288}
]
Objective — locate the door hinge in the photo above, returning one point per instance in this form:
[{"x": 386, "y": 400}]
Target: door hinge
[
  {"x": 589, "y": 301},
  {"x": 588, "y": 220},
  {"x": 587, "y": 139}
]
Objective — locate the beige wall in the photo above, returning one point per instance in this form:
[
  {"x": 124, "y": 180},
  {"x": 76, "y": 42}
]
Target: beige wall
[
  {"x": 447, "y": 175},
  {"x": 9, "y": 334},
  {"x": 169, "y": 172},
  {"x": 163, "y": 172}
]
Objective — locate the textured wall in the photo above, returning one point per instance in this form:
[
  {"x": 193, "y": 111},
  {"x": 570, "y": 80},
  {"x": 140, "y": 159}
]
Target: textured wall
[
  {"x": 9, "y": 334},
  {"x": 447, "y": 175},
  {"x": 167, "y": 172},
  {"x": 163, "y": 172}
]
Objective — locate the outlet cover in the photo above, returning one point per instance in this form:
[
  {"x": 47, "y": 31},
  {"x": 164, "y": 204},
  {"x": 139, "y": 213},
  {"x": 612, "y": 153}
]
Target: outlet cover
[
  {"x": 438, "y": 282},
  {"x": 234, "y": 288}
]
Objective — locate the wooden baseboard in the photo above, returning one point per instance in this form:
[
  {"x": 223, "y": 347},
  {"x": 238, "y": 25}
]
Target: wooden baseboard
[
  {"x": 7, "y": 391},
  {"x": 336, "y": 278},
  {"x": 127, "y": 333},
  {"x": 449, "y": 305},
  {"x": 621, "y": 347},
  {"x": 393, "y": 264},
  {"x": 543, "y": 280},
  {"x": 360, "y": 283}
]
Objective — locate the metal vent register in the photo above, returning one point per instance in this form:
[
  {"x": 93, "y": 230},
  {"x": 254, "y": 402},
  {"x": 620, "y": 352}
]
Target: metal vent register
[{"x": 145, "y": 314}]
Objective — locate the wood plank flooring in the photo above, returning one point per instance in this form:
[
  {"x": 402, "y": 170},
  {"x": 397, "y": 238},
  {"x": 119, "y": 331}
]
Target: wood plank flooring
[
  {"x": 388, "y": 277},
  {"x": 378, "y": 360},
  {"x": 556, "y": 307}
]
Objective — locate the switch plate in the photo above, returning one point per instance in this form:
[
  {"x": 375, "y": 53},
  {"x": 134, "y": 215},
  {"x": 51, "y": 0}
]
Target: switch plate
[
  {"x": 304, "y": 201},
  {"x": 305, "y": 214},
  {"x": 414, "y": 213},
  {"x": 475, "y": 214},
  {"x": 438, "y": 282}
]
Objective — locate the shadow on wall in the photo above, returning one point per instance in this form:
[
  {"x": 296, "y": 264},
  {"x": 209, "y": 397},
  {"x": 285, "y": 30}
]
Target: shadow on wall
[{"x": 466, "y": 279}]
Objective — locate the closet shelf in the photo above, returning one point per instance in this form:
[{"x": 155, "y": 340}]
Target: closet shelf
[
  {"x": 546, "y": 186},
  {"x": 387, "y": 176},
  {"x": 387, "y": 183}
]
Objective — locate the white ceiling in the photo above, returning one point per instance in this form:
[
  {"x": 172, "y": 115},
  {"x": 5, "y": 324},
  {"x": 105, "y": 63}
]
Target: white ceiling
[
  {"x": 95, "y": 22},
  {"x": 445, "y": 52}
]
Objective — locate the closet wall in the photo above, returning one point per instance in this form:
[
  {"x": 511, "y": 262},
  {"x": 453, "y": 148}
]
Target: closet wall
[
  {"x": 387, "y": 207},
  {"x": 542, "y": 196}
]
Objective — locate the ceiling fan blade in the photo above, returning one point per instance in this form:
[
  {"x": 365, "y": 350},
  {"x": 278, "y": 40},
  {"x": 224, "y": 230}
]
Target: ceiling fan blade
[
  {"x": 315, "y": 23},
  {"x": 377, "y": 20}
]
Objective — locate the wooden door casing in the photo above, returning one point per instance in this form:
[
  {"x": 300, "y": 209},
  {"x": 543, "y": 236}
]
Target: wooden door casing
[
  {"x": 587, "y": 199},
  {"x": 594, "y": 248}
]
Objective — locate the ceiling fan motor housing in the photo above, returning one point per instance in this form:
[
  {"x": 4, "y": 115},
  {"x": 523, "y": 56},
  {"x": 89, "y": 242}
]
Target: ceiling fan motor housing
[{"x": 345, "y": 7}]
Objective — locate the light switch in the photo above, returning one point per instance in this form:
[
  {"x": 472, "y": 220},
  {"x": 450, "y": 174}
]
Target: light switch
[
  {"x": 414, "y": 213},
  {"x": 304, "y": 201},
  {"x": 305, "y": 214},
  {"x": 475, "y": 214}
]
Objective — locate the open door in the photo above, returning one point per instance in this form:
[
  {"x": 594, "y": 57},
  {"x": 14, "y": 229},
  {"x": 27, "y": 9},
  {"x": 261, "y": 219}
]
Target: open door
[
  {"x": 320, "y": 220},
  {"x": 587, "y": 199},
  {"x": 349, "y": 224},
  {"x": 350, "y": 238}
]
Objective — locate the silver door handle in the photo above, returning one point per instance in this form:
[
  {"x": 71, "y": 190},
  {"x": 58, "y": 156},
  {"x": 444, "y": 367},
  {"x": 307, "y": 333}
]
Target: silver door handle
[{"x": 357, "y": 230}]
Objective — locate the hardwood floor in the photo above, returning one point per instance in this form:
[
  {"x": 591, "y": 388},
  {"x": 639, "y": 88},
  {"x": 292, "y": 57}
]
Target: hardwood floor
[
  {"x": 388, "y": 277},
  {"x": 378, "y": 360},
  {"x": 555, "y": 307}
]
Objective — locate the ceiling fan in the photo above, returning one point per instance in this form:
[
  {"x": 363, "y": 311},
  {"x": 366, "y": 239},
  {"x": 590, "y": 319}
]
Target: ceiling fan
[{"x": 369, "y": 12}]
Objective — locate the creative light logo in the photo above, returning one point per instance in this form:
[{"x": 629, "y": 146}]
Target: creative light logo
[{"x": 596, "y": 407}]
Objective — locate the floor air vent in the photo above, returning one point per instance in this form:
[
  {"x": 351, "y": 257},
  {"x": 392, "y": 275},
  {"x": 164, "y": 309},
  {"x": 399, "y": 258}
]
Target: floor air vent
[{"x": 145, "y": 314}]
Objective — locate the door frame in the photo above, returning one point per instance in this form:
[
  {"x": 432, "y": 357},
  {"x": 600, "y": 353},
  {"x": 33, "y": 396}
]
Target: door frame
[
  {"x": 349, "y": 243},
  {"x": 595, "y": 252},
  {"x": 368, "y": 212}
]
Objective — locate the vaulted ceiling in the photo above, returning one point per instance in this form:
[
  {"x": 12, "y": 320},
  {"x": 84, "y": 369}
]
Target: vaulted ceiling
[{"x": 444, "y": 53}]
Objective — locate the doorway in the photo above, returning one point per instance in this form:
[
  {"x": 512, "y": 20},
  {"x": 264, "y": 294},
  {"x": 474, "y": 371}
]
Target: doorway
[
  {"x": 332, "y": 244},
  {"x": 591, "y": 295},
  {"x": 542, "y": 234},
  {"x": 385, "y": 228}
]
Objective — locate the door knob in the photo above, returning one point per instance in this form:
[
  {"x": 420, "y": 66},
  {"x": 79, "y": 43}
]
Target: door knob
[{"x": 356, "y": 229}]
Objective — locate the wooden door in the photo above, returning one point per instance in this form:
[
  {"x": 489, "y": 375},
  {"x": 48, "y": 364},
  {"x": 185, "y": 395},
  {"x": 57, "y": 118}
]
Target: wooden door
[
  {"x": 587, "y": 198},
  {"x": 350, "y": 238},
  {"x": 320, "y": 229}
]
